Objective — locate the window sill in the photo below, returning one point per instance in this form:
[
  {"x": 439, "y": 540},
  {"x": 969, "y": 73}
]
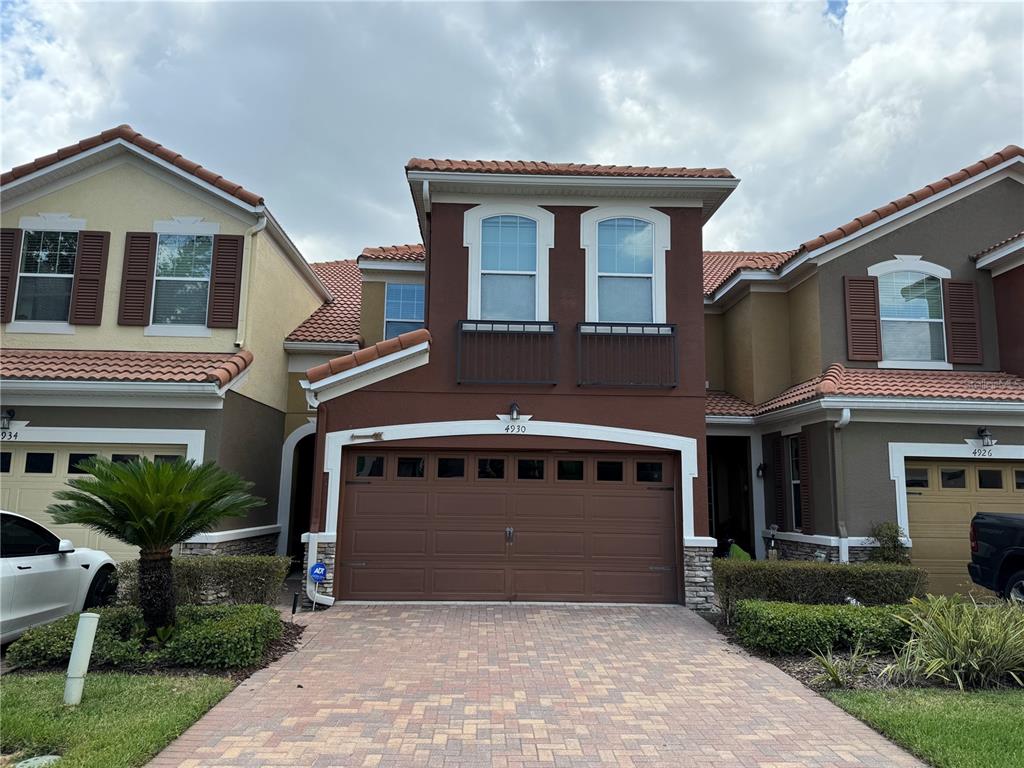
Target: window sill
[
  {"x": 921, "y": 365},
  {"x": 38, "y": 326},
  {"x": 180, "y": 331}
]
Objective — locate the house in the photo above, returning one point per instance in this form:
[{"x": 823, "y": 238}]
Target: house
[
  {"x": 144, "y": 302},
  {"x": 558, "y": 395}
]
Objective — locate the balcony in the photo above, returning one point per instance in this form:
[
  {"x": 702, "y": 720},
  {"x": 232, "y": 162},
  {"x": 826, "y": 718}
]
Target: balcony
[
  {"x": 627, "y": 355},
  {"x": 507, "y": 352}
]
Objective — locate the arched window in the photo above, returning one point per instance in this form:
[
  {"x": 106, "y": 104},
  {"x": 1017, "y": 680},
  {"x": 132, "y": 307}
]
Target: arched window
[
  {"x": 625, "y": 270},
  {"x": 910, "y": 310},
  {"x": 508, "y": 268}
]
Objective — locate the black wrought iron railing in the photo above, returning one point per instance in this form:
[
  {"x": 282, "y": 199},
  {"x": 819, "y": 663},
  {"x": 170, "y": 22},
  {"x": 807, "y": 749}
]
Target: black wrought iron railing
[
  {"x": 627, "y": 355},
  {"x": 507, "y": 352}
]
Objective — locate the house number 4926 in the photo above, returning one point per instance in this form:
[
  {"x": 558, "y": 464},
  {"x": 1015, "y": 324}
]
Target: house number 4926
[
  {"x": 982, "y": 452},
  {"x": 515, "y": 429}
]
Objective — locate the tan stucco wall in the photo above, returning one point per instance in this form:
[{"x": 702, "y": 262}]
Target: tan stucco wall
[
  {"x": 298, "y": 412},
  {"x": 371, "y": 319},
  {"x": 125, "y": 198},
  {"x": 714, "y": 352},
  {"x": 737, "y": 342},
  {"x": 279, "y": 299},
  {"x": 804, "y": 331}
]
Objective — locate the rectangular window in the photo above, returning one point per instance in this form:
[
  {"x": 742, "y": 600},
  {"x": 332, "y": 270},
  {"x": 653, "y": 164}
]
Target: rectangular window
[
  {"x": 1018, "y": 478},
  {"x": 625, "y": 271},
  {"x": 73, "y": 461},
  {"x": 39, "y": 463},
  {"x": 609, "y": 471},
  {"x": 46, "y": 276},
  {"x": 911, "y": 312},
  {"x": 448, "y": 468},
  {"x": 649, "y": 472},
  {"x": 508, "y": 268},
  {"x": 166, "y": 459},
  {"x": 794, "y": 482},
  {"x": 181, "y": 290},
  {"x": 917, "y": 477},
  {"x": 410, "y": 466},
  {"x": 953, "y": 478},
  {"x": 124, "y": 458},
  {"x": 990, "y": 479},
  {"x": 369, "y": 466},
  {"x": 403, "y": 309},
  {"x": 570, "y": 469},
  {"x": 5, "y": 462},
  {"x": 490, "y": 469},
  {"x": 530, "y": 469}
]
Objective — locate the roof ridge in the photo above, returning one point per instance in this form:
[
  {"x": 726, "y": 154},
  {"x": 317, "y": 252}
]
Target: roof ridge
[{"x": 129, "y": 134}]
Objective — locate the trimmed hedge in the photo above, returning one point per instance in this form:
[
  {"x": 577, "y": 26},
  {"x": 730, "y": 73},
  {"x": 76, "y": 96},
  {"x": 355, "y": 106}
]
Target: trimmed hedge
[
  {"x": 801, "y": 581},
  {"x": 205, "y": 637},
  {"x": 207, "y": 579},
  {"x": 793, "y": 628}
]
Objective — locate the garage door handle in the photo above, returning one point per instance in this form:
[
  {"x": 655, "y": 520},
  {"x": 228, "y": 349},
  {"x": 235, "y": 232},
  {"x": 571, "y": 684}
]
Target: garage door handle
[{"x": 24, "y": 567}]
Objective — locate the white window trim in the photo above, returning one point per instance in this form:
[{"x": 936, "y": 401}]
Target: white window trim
[
  {"x": 472, "y": 238},
  {"x": 387, "y": 319},
  {"x": 52, "y": 222},
  {"x": 190, "y": 330},
  {"x": 186, "y": 225},
  {"x": 662, "y": 243},
  {"x": 914, "y": 263},
  {"x": 62, "y": 327}
]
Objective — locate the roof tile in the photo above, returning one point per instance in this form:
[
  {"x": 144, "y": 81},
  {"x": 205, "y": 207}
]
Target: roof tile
[
  {"x": 337, "y": 321},
  {"x": 541, "y": 168},
  {"x": 102, "y": 365},
  {"x": 367, "y": 354},
  {"x": 407, "y": 252},
  {"x": 127, "y": 133}
]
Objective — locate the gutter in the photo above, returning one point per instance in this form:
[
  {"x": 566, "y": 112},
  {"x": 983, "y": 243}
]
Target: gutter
[{"x": 247, "y": 271}]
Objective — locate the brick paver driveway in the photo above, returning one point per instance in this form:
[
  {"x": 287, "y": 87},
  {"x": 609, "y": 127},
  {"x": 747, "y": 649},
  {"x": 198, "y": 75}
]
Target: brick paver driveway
[{"x": 523, "y": 685}]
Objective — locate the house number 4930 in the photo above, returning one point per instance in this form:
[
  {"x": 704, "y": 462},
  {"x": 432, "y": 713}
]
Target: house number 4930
[{"x": 515, "y": 429}]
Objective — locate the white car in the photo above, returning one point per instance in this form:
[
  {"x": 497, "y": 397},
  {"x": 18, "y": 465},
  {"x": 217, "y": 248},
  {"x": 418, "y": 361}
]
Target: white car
[{"x": 43, "y": 577}]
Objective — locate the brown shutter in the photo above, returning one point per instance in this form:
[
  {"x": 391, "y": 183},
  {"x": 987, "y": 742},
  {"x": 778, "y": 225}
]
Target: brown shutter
[
  {"x": 10, "y": 255},
  {"x": 775, "y": 479},
  {"x": 963, "y": 321},
  {"x": 90, "y": 278},
  {"x": 225, "y": 281},
  {"x": 137, "y": 278},
  {"x": 805, "y": 483},
  {"x": 863, "y": 325}
]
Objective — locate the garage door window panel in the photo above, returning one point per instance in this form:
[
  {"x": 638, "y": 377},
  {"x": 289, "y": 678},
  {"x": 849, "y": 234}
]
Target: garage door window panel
[
  {"x": 490, "y": 469},
  {"x": 610, "y": 471},
  {"x": 38, "y": 463},
  {"x": 650, "y": 472},
  {"x": 917, "y": 477},
  {"x": 369, "y": 466},
  {"x": 410, "y": 467},
  {"x": 530, "y": 469},
  {"x": 570, "y": 470},
  {"x": 953, "y": 478},
  {"x": 990, "y": 479},
  {"x": 124, "y": 458},
  {"x": 5, "y": 462},
  {"x": 451, "y": 468},
  {"x": 75, "y": 459},
  {"x": 1018, "y": 479}
]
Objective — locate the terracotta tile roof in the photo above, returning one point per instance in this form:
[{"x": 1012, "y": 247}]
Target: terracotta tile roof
[
  {"x": 132, "y": 136},
  {"x": 718, "y": 403},
  {"x": 409, "y": 252},
  {"x": 914, "y": 197},
  {"x": 540, "y": 168},
  {"x": 337, "y": 321},
  {"x": 363, "y": 356},
  {"x": 1000, "y": 244},
  {"x": 720, "y": 266},
  {"x": 99, "y": 365}
]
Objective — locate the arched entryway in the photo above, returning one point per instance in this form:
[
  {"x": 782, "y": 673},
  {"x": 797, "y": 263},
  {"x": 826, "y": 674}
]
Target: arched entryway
[{"x": 295, "y": 496}]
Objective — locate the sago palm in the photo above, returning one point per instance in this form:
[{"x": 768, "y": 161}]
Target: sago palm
[{"x": 153, "y": 506}]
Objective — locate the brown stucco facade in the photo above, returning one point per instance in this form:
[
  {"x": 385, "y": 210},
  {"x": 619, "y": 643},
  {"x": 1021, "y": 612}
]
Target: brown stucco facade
[{"x": 1008, "y": 293}]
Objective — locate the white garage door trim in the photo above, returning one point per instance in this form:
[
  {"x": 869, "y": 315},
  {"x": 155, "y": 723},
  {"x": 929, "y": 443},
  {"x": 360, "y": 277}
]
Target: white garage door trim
[
  {"x": 973, "y": 451},
  {"x": 194, "y": 440}
]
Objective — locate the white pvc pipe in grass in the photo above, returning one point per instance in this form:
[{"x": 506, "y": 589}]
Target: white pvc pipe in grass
[{"x": 78, "y": 665}]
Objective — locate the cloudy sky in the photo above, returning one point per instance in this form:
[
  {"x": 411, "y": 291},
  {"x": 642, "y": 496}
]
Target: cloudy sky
[{"x": 824, "y": 110}]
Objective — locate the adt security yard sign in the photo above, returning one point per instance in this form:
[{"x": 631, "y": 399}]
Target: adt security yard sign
[{"x": 317, "y": 573}]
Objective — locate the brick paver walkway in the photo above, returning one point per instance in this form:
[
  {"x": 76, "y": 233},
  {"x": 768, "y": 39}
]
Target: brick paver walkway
[{"x": 523, "y": 686}]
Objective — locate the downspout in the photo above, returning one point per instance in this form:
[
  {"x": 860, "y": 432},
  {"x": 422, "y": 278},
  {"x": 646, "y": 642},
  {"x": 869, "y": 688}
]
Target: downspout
[
  {"x": 247, "y": 270},
  {"x": 837, "y": 447},
  {"x": 312, "y": 538}
]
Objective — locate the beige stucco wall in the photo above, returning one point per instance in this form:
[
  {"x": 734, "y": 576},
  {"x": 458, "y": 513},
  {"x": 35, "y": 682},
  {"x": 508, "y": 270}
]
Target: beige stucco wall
[
  {"x": 279, "y": 300},
  {"x": 737, "y": 342},
  {"x": 804, "y": 331},
  {"x": 714, "y": 352},
  {"x": 125, "y": 198},
  {"x": 298, "y": 412},
  {"x": 371, "y": 319},
  {"x": 755, "y": 340}
]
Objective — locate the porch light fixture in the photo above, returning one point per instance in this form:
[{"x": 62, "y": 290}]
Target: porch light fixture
[
  {"x": 6, "y": 419},
  {"x": 760, "y": 469},
  {"x": 513, "y": 411},
  {"x": 983, "y": 433}
]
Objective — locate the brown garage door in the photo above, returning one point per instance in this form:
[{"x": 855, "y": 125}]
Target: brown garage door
[{"x": 527, "y": 526}]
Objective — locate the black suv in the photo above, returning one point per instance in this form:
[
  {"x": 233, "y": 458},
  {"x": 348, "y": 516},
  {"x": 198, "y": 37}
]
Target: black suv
[{"x": 997, "y": 554}]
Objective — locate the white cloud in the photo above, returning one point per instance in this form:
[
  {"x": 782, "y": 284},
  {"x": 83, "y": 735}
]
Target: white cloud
[{"x": 318, "y": 106}]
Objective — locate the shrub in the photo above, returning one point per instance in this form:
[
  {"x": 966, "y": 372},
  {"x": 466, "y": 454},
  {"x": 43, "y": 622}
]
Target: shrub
[
  {"x": 205, "y": 579},
  {"x": 801, "y": 581},
  {"x": 793, "y": 628},
  {"x": 205, "y": 637},
  {"x": 960, "y": 642},
  {"x": 890, "y": 547}
]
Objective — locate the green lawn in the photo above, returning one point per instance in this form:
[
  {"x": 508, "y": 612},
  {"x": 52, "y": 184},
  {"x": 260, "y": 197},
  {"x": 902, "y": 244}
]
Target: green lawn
[
  {"x": 122, "y": 722},
  {"x": 949, "y": 729}
]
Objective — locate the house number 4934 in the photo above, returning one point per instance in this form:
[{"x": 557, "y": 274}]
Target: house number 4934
[{"x": 515, "y": 429}]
